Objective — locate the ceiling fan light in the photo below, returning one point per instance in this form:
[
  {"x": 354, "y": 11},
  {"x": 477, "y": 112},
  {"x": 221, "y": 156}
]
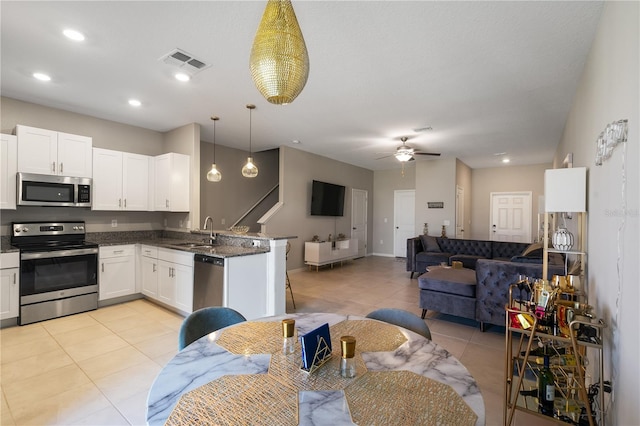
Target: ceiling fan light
[
  {"x": 403, "y": 156},
  {"x": 279, "y": 60}
]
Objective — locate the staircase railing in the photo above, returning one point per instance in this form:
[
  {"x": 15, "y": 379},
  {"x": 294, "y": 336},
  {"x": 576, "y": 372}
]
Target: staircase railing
[{"x": 248, "y": 212}]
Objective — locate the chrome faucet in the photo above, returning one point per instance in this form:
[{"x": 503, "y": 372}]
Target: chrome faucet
[{"x": 212, "y": 237}]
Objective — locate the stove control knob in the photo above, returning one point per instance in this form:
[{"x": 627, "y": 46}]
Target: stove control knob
[
  {"x": 75, "y": 228},
  {"x": 25, "y": 229},
  {"x": 81, "y": 228}
]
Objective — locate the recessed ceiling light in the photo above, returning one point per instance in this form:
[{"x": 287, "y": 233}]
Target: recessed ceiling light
[
  {"x": 182, "y": 76},
  {"x": 41, "y": 76},
  {"x": 505, "y": 160},
  {"x": 296, "y": 141},
  {"x": 134, "y": 102},
  {"x": 73, "y": 35}
]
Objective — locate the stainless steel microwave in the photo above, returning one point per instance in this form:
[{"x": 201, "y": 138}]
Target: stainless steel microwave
[{"x": 49, "y": 190}]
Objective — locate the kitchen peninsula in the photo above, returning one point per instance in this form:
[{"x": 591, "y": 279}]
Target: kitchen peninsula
[{"x": 253, "y": 274}]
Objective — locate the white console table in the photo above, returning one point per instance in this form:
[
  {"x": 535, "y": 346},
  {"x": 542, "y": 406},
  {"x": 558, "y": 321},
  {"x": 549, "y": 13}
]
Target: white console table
[{"x": 319, "y": 254}]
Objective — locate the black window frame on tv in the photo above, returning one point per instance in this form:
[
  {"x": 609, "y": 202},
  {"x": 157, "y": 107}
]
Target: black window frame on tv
[{"x": 327, "y": 199}]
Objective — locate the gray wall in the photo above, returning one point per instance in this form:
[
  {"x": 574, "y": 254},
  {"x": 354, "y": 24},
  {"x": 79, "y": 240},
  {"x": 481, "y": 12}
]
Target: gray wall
[
  {"x": 297, "y": 170},
  {"x": 609, "y": 90},
  {"x": 226, "y": 201},
  {"x": 503, "y": 179},
  {"x": 385, "y": 182},
  {"x": 106, "y": 134},
  {"x": 463, "y": 180},
  {"x": 436, "y": 181}
]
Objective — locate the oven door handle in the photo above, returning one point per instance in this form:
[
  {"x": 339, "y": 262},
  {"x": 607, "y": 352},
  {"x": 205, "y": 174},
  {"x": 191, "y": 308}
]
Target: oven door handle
[{"x": 57, "y": 253}]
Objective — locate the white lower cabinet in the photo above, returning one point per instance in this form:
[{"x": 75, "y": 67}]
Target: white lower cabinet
[
  {"x": 117, "y": 272},
  {"x": 175, "y": 279},
  {"x": 149, "y": 271},
  {"x": 9, "y": 285}
]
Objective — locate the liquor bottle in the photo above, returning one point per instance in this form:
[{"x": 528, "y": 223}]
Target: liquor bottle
[{"x": 546, "y": 389}]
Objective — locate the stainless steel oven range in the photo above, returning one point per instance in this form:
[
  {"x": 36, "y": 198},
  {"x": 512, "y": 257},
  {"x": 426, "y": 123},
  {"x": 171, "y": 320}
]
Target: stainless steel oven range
[{"x": 58, "y": 270}]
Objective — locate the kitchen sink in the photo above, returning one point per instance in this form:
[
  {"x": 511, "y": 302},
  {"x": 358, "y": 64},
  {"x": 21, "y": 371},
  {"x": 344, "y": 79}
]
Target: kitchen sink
[{"x": 193, "y": 245}]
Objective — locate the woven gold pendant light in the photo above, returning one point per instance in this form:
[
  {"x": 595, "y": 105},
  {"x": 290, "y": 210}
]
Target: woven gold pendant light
[{"x": 279, "y": 60}]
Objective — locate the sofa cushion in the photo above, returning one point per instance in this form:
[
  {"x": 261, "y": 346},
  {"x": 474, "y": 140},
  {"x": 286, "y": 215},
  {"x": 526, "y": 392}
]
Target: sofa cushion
[
  {"x": 526, "y": 259},
  {"x": 471, "y": 247},
  {"x": 505, "y": 250},
  {"x": 429, "y": 243},
  {"x": 424, "y": 259},
  {"x": 461, "y": 282},
  {"x": 468, "y": 261},
  {"x": 533, "y": 250}
]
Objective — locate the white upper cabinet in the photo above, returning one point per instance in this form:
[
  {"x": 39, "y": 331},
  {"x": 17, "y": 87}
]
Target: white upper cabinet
[
  {"x": 172, "y": 182},
  {"x": 48, "y": 152},
  {"x": 8, "y": 169},
  {"x": 120, "y": 180}
]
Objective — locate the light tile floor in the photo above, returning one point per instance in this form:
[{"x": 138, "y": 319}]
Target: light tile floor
[{"x": 96, "y": 368}]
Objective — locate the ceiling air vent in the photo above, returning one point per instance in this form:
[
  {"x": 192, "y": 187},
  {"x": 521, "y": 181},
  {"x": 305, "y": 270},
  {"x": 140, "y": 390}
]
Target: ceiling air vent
[{"x": 185, "y": 61}]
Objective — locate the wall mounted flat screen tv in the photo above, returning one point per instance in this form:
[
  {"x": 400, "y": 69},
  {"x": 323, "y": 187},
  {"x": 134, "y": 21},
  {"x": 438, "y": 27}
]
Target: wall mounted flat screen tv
[{"x": 327, "y": 199}]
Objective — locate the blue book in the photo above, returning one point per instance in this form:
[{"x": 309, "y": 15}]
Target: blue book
[{"x": 316, "y": 346}]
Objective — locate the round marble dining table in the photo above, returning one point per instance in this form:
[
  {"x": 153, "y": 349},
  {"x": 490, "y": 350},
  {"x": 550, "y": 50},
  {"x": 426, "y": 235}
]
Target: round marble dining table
[{"x": 209, "y": 359}]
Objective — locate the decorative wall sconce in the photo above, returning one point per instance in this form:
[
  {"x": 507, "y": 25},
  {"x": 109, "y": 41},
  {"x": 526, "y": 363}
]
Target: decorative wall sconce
[
  {"x": 250, "y": 170},
  {"x": 610, "y": 137},
  {"x": 214, "y": 175}
]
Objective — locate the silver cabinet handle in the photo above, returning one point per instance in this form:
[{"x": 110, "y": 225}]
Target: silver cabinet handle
[
  {"x": 154, "y": 268},
  {"x": 125, "y": 203},
  {"x": 102, "y": 267},
  {"x": 14, "y": 278},
  {"x": 54, "y": 167},
  {"x": 118, "y": 251},
  {"x": 119, "y": 202},
  {"x": 61, "y": 167},
  {"x": 166, "y": 203}
]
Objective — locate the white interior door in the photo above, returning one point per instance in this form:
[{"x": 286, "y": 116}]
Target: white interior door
[
  {"x": 459, "y": 212},
  {"x": 359, "y": 200},
  {"x": 404, "y": 202},
  {"x": 510, "y": 217}
]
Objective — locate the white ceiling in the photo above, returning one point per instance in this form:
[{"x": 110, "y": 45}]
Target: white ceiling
[{"x": 489, "y": 77}]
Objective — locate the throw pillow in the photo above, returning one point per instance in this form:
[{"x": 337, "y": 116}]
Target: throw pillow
[
  {"x": 534, "y": 250},
  {"x": 429, "y": 243}
]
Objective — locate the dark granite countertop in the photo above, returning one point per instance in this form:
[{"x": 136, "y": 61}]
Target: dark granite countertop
[{"x": 227, "y": 243}]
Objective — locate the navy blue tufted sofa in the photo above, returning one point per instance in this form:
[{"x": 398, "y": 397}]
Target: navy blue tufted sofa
[
  {"x": 430, "y": 251},
  {"x": 497, "y": 265},
  {"x": 493, "y": 278}
]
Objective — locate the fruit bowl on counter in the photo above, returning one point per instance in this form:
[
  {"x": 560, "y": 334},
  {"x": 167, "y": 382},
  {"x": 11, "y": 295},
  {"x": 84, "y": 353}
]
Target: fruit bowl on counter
[{"x": 240, "y": 230}]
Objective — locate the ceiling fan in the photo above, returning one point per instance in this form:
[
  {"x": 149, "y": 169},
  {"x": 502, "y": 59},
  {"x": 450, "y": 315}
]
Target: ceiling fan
[{"x": 405, "y": 153}]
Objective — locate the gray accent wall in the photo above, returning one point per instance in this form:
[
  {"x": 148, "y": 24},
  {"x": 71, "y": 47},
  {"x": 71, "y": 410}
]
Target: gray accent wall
[
  {"x": 226, "y": 201},
  {"x": 503, "y": 179},
  {"x": 385, "y": 182},
  {"x": 109, "y": 135},
  {"x": 297, "y": 170}
]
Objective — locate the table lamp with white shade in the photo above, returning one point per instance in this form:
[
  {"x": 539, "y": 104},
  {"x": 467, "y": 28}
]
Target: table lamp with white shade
[{"x": 565, "y": 190}]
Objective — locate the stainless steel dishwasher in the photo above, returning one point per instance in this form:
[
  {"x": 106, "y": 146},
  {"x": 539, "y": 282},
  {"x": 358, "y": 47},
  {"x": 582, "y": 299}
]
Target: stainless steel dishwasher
[{"x": 208, "y": 281}]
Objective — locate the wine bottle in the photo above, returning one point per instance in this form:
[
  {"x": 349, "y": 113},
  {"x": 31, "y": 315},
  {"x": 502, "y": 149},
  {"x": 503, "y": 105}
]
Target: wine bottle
[{"x": 546, "y": 389}]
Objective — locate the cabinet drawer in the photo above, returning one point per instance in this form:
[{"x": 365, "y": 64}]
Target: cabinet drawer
[
  {"x": 176, "y": 256},
  {"x": 117, "y": 251},
  {"x": 149, "y": 251},
  {"x": 10, "y": 260}
]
